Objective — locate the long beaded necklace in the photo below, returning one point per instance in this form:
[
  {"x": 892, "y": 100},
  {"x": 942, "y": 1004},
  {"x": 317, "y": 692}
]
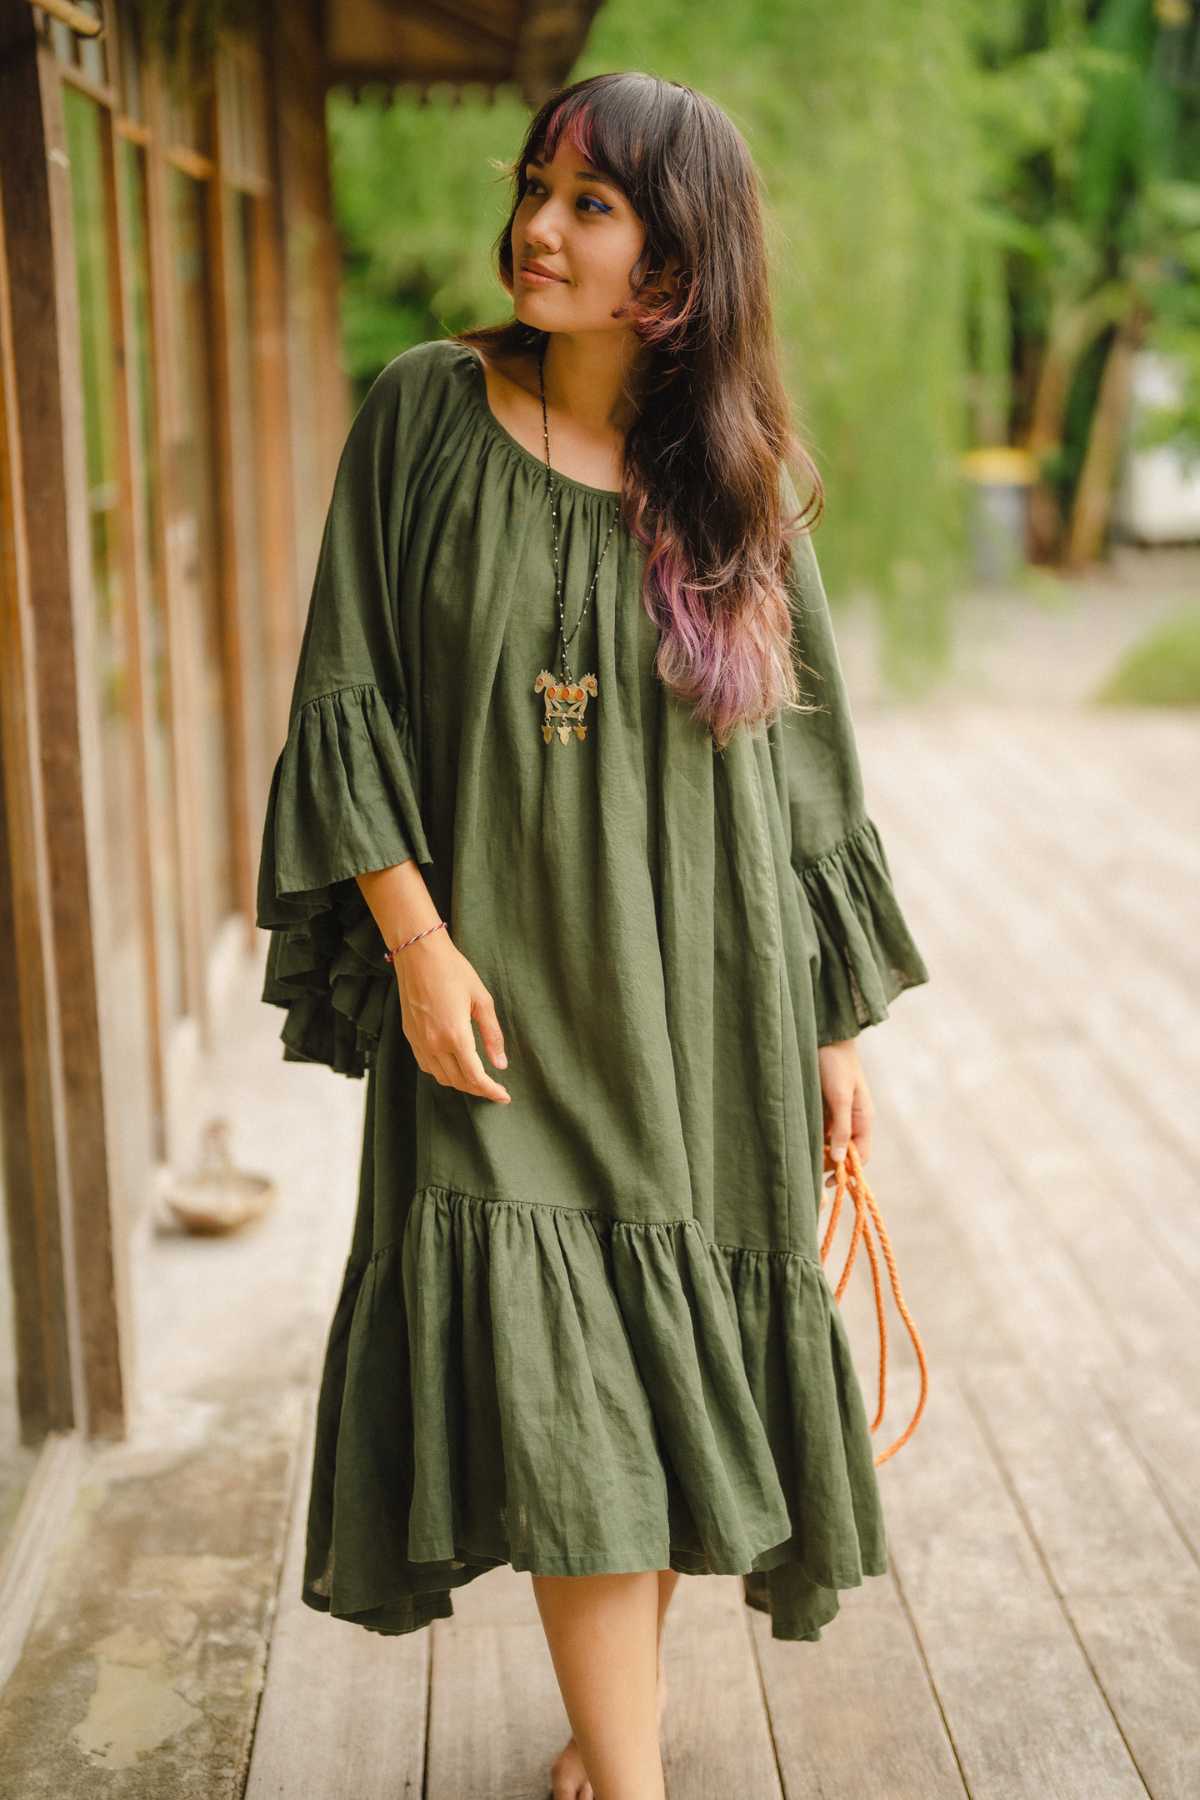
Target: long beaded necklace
[{"x": 565, "y": 698}]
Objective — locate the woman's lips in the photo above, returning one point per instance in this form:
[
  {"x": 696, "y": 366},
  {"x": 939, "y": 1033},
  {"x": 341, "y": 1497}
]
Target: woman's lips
[{"x": 539, "y": 279}]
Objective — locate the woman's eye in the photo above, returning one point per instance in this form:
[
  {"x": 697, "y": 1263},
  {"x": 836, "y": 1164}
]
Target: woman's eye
[{"x": 532, "y": 183}]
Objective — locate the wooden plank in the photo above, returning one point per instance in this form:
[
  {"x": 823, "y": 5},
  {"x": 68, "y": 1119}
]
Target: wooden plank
[
  {"x": 1121, "y": 768},
  {"x": 1147, "y": 1651},
  {"x": 856, "y": 1714},
  {"x": 980, "y": 994},
  {"x": 1092, "y": 1470},
  {"x": 496, "y": 1717},
  {"x": 952, "y": 1258},
  {"x": 1120, "y": 1234},
  {"x": 1130, "y": 873},
  {"x": 1037, "y": 1303},
  {"x": 1021, "y": 1704},
  {"x": 1148, "y": 787},
  {"x": 1097, "y": 1519},
  {"x": 1134, "y": 1013},
  {"x": 716, "y": 1730},
  {"x": 1149, "y": 1191},
  {"x": 1156, "y": 1404},
  {"x": 1152, "y": 1179},
  {"x": 343, "y": 1709},
  {"x": 1146, "y": 1654},
  {"x": 1115, "y": 1553},
  {"x": 1065, "y": 1190}
]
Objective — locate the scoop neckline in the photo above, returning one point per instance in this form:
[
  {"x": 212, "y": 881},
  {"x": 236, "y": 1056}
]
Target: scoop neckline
[{"x": 506, "y": 436}]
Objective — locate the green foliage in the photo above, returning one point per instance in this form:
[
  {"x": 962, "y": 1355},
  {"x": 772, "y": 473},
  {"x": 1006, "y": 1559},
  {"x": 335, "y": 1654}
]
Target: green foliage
[
  {"x": 1162, "y": 670},
  {"x": 419, "y": 200},
  {"x": 1176, "y": 331},
  {"x": 1086, "y": 216}
]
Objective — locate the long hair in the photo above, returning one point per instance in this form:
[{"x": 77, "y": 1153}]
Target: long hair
[{"x": 701, "y": 485}]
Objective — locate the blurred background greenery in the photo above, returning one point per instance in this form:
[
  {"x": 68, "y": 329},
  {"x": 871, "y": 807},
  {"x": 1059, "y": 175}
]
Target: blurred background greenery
[{"x": 980, "y": 211}]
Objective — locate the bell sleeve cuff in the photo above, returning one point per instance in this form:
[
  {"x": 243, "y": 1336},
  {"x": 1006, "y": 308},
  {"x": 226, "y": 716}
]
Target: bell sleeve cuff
[
  {"x": 343, "y": 800},
  {"x": 865, "y": 954}
]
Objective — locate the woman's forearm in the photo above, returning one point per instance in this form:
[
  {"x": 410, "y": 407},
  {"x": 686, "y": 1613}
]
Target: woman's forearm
[{"x": 399, "y": 900}]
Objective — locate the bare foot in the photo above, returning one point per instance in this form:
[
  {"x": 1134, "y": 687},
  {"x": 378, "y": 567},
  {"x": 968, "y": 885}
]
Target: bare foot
[{"x": 568, "y": 1777}]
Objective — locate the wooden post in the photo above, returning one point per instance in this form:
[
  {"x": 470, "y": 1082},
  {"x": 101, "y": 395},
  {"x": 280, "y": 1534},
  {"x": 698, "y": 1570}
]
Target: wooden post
[{"x": 39, "y": 248}]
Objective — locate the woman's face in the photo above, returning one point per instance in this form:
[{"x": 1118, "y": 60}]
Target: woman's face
[{"x": 574, "y": 222}]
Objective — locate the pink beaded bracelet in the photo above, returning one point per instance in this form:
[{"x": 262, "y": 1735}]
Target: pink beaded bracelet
[{"x": 389, "y": 954}]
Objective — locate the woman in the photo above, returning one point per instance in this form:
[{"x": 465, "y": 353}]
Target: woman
[{"x": 548, "y": 775}]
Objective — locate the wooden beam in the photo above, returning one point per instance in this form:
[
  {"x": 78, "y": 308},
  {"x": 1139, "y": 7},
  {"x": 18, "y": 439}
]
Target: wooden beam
[{"x": 83, "y": 24}]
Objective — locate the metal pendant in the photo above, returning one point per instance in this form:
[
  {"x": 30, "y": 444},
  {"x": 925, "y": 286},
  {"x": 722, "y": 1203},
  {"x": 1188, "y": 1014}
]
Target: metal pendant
[{"x": 566, "y": 702}]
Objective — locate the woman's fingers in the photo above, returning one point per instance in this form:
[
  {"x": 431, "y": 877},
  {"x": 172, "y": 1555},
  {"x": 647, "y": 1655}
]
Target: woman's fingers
[
  {"x": 484, "y": 1014},
  {"x": 862, "y": 1114},
  {"x": 839, "y": 1102},
  {"x": 457, "y": 1065},
  {"x": 474, "y": 1077}
]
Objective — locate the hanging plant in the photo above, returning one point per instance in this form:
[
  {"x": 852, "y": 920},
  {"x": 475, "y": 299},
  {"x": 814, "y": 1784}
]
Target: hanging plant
[{"x": 184, "y": 34}]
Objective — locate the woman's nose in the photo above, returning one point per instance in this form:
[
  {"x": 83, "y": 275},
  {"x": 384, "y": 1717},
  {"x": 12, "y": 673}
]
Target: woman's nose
[{"x": 541, "y": 226}]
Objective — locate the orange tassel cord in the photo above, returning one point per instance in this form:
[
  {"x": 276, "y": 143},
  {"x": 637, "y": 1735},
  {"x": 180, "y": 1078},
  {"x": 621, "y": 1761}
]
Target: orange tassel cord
[{"x": 850, "y": 1179}]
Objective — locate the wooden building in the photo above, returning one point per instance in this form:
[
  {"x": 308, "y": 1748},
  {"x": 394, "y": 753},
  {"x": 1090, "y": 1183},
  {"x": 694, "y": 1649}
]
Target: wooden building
[{"x": 171, "y": 411}]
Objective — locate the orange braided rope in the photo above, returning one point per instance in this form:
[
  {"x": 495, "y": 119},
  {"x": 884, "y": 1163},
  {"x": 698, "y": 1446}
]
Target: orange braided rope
[{"x": 850, "y": 1178}]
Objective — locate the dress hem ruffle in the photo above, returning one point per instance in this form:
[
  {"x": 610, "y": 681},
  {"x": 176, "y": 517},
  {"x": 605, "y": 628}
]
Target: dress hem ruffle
[{"x": 545, "y": 1387}]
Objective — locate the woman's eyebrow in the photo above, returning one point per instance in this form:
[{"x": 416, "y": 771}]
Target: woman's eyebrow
[{"x": 580, "y": 174}]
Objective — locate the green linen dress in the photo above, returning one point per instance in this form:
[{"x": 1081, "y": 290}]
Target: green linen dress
[{"x": 589, "y": 1330}]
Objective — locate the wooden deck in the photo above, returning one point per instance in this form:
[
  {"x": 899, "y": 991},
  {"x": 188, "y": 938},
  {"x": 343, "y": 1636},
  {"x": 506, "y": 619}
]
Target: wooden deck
[{"x": 1036, "y": 1153}]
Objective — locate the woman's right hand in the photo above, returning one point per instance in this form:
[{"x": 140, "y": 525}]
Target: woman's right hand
[{"x": 440, "y": 995}]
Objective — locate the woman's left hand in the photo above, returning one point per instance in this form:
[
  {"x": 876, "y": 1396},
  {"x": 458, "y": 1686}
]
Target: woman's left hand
[{"x": 849, "y": 1108}]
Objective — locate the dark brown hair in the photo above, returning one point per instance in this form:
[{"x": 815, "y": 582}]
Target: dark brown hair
[{"x": 702, "y": 486}]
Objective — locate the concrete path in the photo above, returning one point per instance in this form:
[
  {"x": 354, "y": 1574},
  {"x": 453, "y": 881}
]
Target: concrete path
[{"x": 143, "y": 1670}]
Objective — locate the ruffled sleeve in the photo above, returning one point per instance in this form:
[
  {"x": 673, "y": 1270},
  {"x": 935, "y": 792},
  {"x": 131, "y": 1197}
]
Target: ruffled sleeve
[
  {"x": 345, "y": 793},
  {"x": 864, "y": 953}
]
